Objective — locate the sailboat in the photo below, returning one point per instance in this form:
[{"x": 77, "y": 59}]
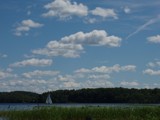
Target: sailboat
[{"x": 49, "y": 100}]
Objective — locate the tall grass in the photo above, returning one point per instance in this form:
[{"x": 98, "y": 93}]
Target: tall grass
[{"x": 85, "y": 113}]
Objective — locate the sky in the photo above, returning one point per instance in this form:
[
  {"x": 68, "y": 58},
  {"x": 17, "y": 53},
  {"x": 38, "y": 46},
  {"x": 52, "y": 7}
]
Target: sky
[{"x": 47, "y": 45}]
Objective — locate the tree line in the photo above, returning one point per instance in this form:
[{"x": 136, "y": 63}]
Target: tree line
[{"x": 96, "y": 95}]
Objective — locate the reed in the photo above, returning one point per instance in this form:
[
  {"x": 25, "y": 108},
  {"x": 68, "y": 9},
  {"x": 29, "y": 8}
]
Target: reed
[{"x": 84, "y": 113}]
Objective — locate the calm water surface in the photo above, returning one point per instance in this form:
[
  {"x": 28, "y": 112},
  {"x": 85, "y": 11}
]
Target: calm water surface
[{"x": 30, "y": 106}]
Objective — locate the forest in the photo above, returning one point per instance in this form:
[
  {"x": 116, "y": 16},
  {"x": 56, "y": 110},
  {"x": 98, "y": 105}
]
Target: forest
[{"x": 88, "y": 95}]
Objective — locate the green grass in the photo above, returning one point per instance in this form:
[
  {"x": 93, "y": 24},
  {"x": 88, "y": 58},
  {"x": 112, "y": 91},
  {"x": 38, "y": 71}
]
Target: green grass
[{"x": 85, "y": 113}]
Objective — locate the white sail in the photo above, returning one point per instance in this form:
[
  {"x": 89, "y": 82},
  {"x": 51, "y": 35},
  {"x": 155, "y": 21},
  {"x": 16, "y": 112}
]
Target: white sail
[{"x": 48, "y": 100}]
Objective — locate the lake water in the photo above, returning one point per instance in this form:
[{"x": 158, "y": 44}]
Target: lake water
[{"x": 26, "y": 106}]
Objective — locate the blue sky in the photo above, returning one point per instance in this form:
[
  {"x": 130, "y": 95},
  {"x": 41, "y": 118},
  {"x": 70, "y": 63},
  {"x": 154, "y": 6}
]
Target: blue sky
[{"x": 48, "y": 45}]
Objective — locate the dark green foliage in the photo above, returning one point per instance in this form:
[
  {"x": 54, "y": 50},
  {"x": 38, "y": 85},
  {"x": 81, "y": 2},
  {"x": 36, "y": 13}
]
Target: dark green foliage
[
  {"x": 18, "y": 97},
  {"x": 106, "y": 95},
  {"x": 98, "y": 95}
]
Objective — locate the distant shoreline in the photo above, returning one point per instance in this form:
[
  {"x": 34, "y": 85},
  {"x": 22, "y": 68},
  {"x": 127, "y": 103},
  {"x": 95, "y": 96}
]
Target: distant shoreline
[{"x": 88, "y": 95}]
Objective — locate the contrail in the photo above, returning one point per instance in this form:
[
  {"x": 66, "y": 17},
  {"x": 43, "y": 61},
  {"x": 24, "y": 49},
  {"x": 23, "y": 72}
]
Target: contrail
[{"x": 150, "y": 22}]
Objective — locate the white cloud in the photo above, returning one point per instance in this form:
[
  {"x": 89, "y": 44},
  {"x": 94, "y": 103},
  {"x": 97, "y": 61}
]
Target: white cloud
[
  {"x": 154, "y": 39},
  {"x": 154, "y": 64},
  {"x": 106, "y": 69},
  {"x": 99, "y": 77},
  {"x": 70, "y": 85},
  {"x": 39, "y": 74},
  {"x": 129, "y": 84},
  {"x": 97, "y": 84},
  {"x": 43, "y": 80},
  {"x": 55, "y": 48},
  {"x": 151, "y": 72},
  {"x": 33, "y": 62},
  {"x": 115, "y": 68},
  {"x": 128, "y": 68},
  {"x": 72, "y": 46},
  {"x": 95, "y": 37},
  {"x": 127, "y": 10},
  {"x": 83, "y": 70},
  {"x": 5, "y": 74},
  {"x": 90, "y": 81},
  {"x": 25, "y": 26},
  {"x": 34, "y": 85},
  {"x": 65, "y": 78},
  {"x": 105, "y": 13},
  {"x": 65, "y": 9}
]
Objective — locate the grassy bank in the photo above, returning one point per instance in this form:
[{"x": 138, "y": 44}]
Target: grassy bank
[{"x": 85, "y": 113}]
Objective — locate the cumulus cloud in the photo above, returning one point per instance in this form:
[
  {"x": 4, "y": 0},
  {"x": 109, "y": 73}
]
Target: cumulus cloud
[
  {"x": 154, "y": 39},
  {"x": 97, "y": 84},
  {"x": 35, "y": 85},
  {"x": 129, "y": 84},
  {"x": 32, "y": 62},
  {"x": 99, "y": 77},
  {"x": 65, "y": 78},
  {"x": 105, "y": 13},
  {"x": 90, "y": 81},
  {"x": 151, "y": 72},
  {"x": 154, "y": 64},
  {"x": 128, "y": 68},
  {"x": 106, "y": 69},
  {"x": 55, "y": 48},
  {"x": 95, "y": 37},
  {"x": 5, "y": 74},
  {"x": 153, "y": 68},
  {"x": 72, "y": 45},
  {"x": 25, "y": 26},
  {"x": 70, "y": 85},
  {"x": 65, "y": 9},
  {"x": 39, "y": 74}
]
